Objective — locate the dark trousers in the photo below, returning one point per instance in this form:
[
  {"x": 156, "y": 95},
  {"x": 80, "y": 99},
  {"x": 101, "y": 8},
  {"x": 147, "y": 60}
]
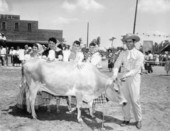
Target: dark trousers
[
  {"x": 16, "y": 60},
  {"x": 2, "y": 59},
  {"x": 150, "y": 70},
  {"x": 6, "y": 58}
]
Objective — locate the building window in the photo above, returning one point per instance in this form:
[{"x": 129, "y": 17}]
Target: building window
[
  {"x": 29, "y": 27},
  {"x": 3, "y": 25},
  {"x": 16, "y": 26},
  {"x": 8, "y": 17}
]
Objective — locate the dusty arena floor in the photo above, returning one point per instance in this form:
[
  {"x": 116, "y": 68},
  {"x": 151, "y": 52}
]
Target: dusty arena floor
[{"x": 155, "y": 100}]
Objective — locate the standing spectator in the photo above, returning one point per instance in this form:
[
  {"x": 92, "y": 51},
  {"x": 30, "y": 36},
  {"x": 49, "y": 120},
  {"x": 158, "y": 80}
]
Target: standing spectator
[
  {"x": 21, "y": 55},
  {"x": 6, "y": 56},
  {"x": 26, "y": 50},
  {"x": 66, "y": 53},
  {"x": 52, "y": 45},
  {"x": 50, "y": 55},
  {"x": 59, "y": 51},
  {"x": 76, "y": 53},
  {"x": 73, "y": 53},
  {"x": 150, "y": 70},
  {"x": 146, "y": 62},
  {"x": 167, "y": 63},
  {"x": 157, "y": 60},
  {"x": 3, "y": 55},
  {"x": 16, "y": 57},
  {"x": 21, "y": 96},
  {"x": 79, "y": 54},
  {"x": 94, "y": 57},
  {"x": 53, "y": 51},
  {"x": 11, "y": 53},
  {"x": 0, "y": 54},
  {"x": 46, "y": 51},
  {"x": 78, "y": 57},
  {"x": 110, "y": 59},
  {"x": 34, "y": 53}
]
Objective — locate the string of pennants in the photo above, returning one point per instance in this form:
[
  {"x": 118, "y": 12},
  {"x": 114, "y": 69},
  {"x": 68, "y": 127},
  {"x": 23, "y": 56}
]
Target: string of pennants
[{"x": 155, "y": 35}]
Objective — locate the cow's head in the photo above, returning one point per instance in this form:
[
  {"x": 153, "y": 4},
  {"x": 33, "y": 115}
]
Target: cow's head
[{"x": 114, "y": 91}]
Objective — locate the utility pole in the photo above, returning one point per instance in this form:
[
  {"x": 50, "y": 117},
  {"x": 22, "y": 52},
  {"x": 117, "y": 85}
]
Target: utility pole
[
  {"x": 136, "y": 10},
  {"x": 112, "y": 39},
  {"x": 87, "y": 34}
]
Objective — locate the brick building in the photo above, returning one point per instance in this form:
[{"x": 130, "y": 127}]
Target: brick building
[{"x": 21, "y": 32}]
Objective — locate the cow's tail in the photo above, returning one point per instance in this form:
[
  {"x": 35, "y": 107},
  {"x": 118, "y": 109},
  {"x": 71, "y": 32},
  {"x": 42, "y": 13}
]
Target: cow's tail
[
  {"x": 21, "y": 100},
  {"x": 22, "y": 74}
]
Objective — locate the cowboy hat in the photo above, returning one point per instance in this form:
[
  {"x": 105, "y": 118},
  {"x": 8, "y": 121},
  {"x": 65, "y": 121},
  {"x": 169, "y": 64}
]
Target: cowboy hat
[{"x": 131, "y": 36}]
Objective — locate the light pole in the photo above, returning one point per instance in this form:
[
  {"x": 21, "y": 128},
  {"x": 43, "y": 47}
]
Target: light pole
[
  {"x": 136, "y": 10},
  {"x": 87, "y": 34}
]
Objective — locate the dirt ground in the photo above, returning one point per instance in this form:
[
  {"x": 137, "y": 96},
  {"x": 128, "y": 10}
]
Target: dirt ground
[{"x": 155, "y": 101}]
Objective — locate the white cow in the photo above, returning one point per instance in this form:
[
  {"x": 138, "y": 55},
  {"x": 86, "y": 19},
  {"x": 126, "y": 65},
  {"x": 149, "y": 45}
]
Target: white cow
[{"x": 65, "y": 79}]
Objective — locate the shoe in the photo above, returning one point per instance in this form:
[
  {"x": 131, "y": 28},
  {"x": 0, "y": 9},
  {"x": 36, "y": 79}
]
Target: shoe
[
  {"x": 124, "y": 123},
  {"x": 139, "y": 124}
]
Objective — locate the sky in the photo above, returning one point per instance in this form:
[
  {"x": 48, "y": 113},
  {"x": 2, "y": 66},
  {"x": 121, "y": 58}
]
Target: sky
[{"x": 107, "y": 18}]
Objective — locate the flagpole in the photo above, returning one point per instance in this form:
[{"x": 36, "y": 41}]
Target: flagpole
[{"x": 136, "y": 10}]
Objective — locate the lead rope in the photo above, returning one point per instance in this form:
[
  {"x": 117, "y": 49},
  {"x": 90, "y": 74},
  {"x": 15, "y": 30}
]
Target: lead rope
[{"x": 103, "y": 115}]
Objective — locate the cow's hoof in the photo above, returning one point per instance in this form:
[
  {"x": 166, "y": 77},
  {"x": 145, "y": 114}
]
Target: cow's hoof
[
  {"x": 80, "y": 120},
  {"x": 34, "y": 117},
  {"x": 69, "y": 112},
  {"x": 103, "y": 129}
]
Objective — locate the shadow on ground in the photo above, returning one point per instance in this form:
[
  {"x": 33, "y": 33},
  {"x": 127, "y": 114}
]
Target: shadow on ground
[{"x": 43, "y": 115}]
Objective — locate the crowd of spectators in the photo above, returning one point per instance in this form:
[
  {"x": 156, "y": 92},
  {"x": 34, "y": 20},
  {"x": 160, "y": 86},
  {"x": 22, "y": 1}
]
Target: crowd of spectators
[{"x": 15, "y": 56}]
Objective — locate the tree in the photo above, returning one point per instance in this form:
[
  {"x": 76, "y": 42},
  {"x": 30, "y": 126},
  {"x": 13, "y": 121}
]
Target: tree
[{"x": 98, "y": 41}]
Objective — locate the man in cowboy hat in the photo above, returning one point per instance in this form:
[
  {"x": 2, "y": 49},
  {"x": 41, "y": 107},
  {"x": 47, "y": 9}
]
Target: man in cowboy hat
[{"x": 132, "y": 60}]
